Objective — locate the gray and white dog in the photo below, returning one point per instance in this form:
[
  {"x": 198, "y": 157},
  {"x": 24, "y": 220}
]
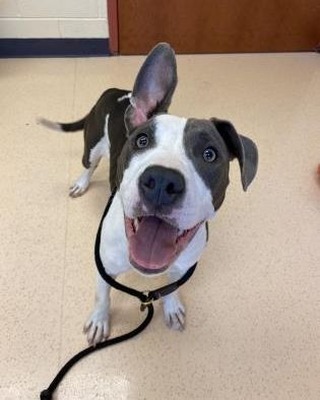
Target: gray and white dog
[{"x": 170, "y": 175}]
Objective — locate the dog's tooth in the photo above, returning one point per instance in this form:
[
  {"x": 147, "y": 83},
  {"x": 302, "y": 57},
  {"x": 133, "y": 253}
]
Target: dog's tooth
[{"x": 133, "y": 225}]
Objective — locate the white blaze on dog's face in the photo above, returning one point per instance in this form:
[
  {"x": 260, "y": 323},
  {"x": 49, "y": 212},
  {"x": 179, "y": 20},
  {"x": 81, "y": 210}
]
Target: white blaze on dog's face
[
  {"x": 173, "y": 174},
  {"x": 166, "y": 148}
]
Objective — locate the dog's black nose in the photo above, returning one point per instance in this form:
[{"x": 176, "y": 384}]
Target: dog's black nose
[{"x": 160, "y": 186}]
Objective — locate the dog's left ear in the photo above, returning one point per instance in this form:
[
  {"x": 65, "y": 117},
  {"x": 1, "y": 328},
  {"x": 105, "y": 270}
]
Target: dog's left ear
[
  {"x": 154, "y": 86},
  {"x": 241, "y": 147}
]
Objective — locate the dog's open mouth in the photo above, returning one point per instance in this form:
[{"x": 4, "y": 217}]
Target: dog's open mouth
[{"x": 154, "y": 243}]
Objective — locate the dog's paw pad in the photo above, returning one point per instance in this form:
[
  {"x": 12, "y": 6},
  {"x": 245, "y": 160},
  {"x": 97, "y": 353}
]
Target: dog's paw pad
[
  {"x": 174, "y": 313},
  {"x": 97, "y": 327}
]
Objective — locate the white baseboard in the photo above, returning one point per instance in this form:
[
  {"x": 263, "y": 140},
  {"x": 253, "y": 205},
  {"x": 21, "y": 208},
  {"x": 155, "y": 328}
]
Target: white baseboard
[{"x": 54, "y": 28}]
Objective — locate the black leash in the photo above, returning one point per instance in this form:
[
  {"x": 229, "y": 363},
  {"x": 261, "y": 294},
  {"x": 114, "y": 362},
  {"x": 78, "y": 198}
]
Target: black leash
[{"x": 146, "y": 299}]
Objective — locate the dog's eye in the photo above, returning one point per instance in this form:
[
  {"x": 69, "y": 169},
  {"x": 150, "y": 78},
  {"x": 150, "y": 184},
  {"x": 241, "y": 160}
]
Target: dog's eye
[
  {"x": 142, "y": 141},
  {"x": 209, "y": 155}
]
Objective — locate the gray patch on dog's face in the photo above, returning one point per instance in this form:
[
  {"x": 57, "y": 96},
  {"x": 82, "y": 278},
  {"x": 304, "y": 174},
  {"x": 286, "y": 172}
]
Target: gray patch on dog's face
[
  {"x": 132, "y": 149},
  {"x": 200, "y": 135}
]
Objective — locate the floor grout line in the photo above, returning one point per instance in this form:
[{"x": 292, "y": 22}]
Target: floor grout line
[{"x": 67, "y": 221}]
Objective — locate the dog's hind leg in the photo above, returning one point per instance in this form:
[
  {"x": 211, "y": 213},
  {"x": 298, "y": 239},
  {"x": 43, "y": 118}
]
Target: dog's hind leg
[
  {"x": 82, "y": 183},
  {"x": 90, "y": 161}
]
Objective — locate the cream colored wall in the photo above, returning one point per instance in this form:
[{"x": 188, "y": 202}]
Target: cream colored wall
[{"x": 53, "y": 19}]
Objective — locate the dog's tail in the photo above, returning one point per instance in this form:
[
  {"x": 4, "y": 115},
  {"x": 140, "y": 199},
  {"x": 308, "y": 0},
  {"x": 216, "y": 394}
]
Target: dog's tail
[{"x": 63, "y": 127}]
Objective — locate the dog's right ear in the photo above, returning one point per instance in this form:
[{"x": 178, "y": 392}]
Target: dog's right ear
[{"x": 154, "y": 86}]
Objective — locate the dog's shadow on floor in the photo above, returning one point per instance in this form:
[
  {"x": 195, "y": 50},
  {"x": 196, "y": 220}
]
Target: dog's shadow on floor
[{"x": 98, "y": 195}]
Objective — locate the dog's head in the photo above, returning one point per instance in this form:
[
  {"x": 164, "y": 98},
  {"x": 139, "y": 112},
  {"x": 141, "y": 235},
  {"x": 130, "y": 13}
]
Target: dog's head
[{"x": 173, "y": 172}]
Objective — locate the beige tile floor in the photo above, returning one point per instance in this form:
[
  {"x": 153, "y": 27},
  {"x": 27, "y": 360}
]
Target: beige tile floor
[{"x": 253, "y": 330}]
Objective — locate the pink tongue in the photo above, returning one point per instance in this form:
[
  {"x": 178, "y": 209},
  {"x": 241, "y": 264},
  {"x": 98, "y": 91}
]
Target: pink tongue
[{"x": 153, "y": 246}]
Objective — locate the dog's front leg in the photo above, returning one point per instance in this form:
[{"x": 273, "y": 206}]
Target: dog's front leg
[
  {"x": 97, "y": 326},
  {"x": 174, "y": 311}
]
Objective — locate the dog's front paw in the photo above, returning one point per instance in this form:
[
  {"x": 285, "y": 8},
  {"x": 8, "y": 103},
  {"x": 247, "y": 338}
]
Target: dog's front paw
[
  {"x": 97, "y": 326},
  {"x": 174, "y": 312}
]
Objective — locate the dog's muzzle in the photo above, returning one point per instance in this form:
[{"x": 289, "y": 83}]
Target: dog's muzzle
[{"x": 154, "y": 240}]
